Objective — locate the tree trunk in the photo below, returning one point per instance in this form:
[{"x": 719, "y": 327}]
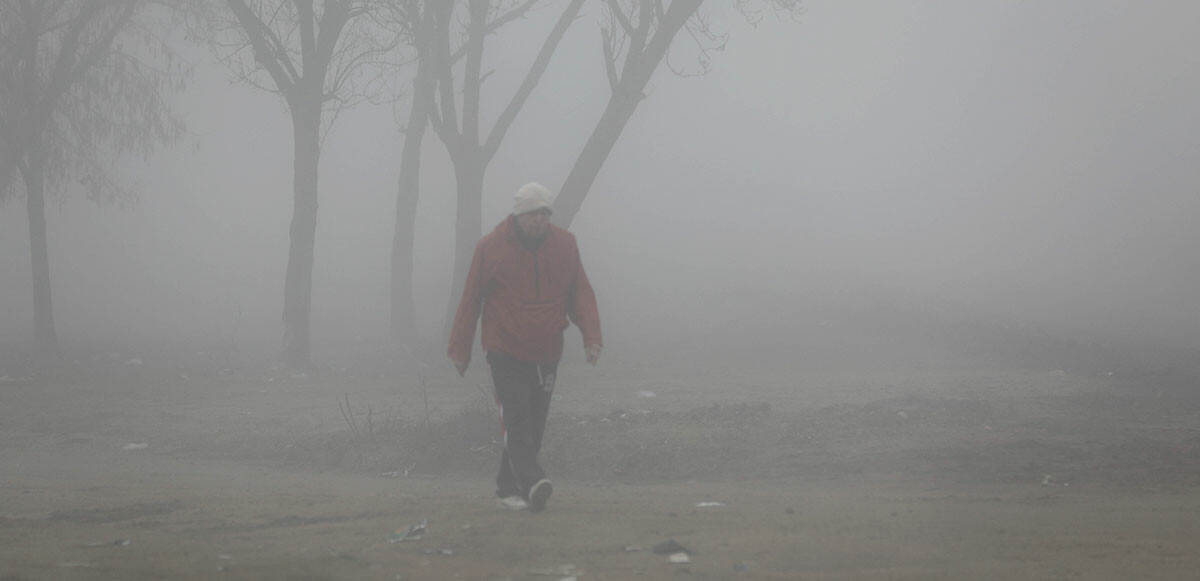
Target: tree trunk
[
  {"x": 45, "y": 341},
  {"x": 591, "y": 159},
  {"x": 8, "y": 157},
  {"x": 297, "y": 290},
  {"x": 403, "y": 324},
  {"x": 403, "y": 308},
  {"x": 467, "y": 228}
]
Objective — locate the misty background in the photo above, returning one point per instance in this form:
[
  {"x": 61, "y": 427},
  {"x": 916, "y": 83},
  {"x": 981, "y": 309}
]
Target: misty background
[{"x": 1019, "y": 163}]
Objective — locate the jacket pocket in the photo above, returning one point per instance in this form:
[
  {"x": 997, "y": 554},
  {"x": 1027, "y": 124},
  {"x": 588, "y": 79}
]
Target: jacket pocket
[{"x": 540, "y": 320}]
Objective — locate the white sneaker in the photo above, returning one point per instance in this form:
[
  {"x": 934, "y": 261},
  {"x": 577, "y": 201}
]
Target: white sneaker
[
  {"x": 539, "y": 494},
  {"x": 513, "y": 503}
]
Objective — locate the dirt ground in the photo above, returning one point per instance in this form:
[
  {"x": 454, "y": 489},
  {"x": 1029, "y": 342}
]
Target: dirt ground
[{"x": 896, "y": 460}]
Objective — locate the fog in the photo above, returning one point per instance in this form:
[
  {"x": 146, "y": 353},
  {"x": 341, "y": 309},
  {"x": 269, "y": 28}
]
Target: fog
[
  {"x": 898, "y": 290},
  {"x": 1022, "y": 163}
]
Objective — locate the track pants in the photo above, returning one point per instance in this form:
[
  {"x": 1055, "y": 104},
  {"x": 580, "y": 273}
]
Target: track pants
[{"x": 523, "y": 392}]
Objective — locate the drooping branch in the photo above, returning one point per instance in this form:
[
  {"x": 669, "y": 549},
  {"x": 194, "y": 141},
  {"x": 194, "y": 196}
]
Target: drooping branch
[
  {"x": 28, "y": 59},
  {"x": 72, "y": 101},
  {"x": 101, "y": 47},
  {"x": 64, "y": 64}
]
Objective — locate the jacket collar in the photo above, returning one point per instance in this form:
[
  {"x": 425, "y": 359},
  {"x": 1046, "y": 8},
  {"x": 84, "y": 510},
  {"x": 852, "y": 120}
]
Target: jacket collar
[{"x": 508, "y": 229}]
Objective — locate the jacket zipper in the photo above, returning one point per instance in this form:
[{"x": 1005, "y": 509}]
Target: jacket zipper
[{"x": 537, "y": 277}]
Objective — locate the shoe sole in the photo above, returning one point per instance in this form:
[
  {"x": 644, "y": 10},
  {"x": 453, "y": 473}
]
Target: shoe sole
[
  {"x": 516, "y": 507},
  {"x": 539, "y": 495}
]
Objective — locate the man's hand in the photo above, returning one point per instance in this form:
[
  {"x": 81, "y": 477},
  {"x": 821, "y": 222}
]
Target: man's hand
[
  {"x": 593, "y": 353},
  {"x": 461, "y": 366}
]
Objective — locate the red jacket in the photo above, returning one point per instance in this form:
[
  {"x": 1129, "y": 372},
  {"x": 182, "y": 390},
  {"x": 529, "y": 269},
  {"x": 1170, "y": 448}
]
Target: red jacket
[{"x": 526, "y": 297}]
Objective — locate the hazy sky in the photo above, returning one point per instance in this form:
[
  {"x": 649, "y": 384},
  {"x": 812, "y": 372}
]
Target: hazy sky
[{"x": 1037, "y": 160}]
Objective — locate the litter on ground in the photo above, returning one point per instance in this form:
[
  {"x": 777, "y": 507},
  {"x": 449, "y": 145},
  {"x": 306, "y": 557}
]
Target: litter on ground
[
  {"x": 410, "y": 533},
  {"x": 669, "y": 546},
  {"x": 561, "y": 571}
]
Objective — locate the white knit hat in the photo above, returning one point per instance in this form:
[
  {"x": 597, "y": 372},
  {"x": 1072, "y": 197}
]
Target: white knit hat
[{"x": 532, "y": 196}]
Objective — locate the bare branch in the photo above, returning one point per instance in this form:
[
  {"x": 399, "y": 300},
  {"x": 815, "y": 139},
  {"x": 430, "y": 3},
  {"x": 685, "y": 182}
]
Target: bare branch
[
  {"x": 531, "y": 78},
  {"x": 308, "y": 41},
  {"x": 610, "y": 59},
  {"x": 496, "y": 24},
  {"x": 271, "y": 60},
  {"x": 783, "y": 9},
  {"x": 515, "y": 13},
  {"x": 445, "y": 120},
  {"x": 707, "y": 41},
  {"x": 646, "y": 22},
  {"x": 472, "y": 82},
  {"x": 333, "y": 21},
  {"x": 279, "y": 50},
  {"x": 619, "y": 14},
  {"x": 674, "y": 19}
]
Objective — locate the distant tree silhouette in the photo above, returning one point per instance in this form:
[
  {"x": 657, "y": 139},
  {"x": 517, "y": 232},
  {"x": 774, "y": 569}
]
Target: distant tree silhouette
[
  {"x": 82, "y": 82},
  {"x": 414, "y": 20},
  {"x": 320, "y": 57}
]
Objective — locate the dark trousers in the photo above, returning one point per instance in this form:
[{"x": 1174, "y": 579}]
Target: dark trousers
[{"x": 523, "y": 392}]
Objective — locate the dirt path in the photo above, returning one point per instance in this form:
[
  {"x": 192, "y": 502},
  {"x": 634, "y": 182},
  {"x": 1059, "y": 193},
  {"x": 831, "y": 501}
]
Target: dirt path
[
  {"x": 954, "y": 472},
  {"x": 67, "y": 515}
]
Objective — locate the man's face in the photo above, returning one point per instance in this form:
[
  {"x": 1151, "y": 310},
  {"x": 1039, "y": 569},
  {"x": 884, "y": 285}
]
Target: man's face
[{"x": 534, "y": 224}]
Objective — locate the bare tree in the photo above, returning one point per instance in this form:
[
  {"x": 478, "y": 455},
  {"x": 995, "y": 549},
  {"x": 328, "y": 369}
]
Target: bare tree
[
  {"x": 469, "y": 151},
  {"x": 418, "y": 19},
  {"x": 320, "y": 57},
  {"x": 415, "y": 20},
  {"x": 81, "y": 83},
  {"x": 636, "y": 38}
]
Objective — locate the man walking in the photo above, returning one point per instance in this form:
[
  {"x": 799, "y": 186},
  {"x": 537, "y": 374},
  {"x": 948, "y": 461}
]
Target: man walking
[{"x": 527, "y": 281}]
